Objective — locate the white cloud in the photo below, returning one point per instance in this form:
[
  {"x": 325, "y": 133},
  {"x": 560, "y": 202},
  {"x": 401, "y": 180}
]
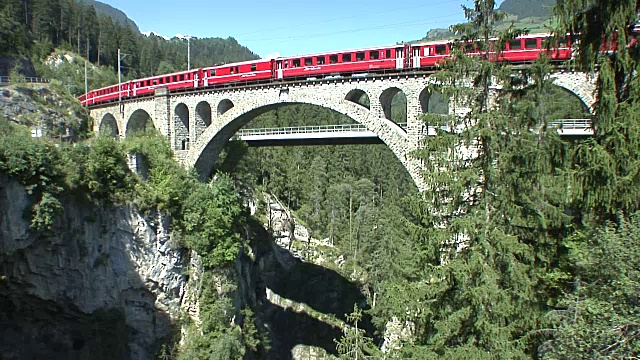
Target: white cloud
[{"x": 273, "y": 55}]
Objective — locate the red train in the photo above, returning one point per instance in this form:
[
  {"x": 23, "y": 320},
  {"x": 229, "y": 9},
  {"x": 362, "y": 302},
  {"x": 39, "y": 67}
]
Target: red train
[{"x": 359, "y": 62}]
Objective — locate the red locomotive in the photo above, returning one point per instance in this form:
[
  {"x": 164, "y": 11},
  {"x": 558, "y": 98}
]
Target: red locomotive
[{"x": 358, "y": 62}]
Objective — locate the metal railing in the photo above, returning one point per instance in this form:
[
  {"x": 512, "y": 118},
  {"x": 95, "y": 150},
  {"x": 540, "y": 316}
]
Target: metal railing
[
  {"x": 306, "y": 130},
  {"x": 562, "y": 124},
  {"x": 6, "y": 80},
  {"x": 571, "y": 124}
]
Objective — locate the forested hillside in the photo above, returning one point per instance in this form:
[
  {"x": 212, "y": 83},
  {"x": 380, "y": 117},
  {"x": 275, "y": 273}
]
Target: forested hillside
[
  {"x": 530, "y": 15},
  {"x": 528, "y": 8},
  {"x": 34, "y": 28},
  {"x": 117, "y": 15}
]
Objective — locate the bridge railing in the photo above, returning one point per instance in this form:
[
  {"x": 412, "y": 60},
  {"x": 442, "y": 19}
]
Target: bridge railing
[
  {"x": 571, "y": 124},
  {"x": 305, "y": 130},
  {"x": 561, "y": 124},
  {"x": 6, "y": 80}
]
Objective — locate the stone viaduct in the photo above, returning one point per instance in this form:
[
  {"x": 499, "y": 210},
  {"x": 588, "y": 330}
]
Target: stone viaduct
[{"x": 198, "y": 124}]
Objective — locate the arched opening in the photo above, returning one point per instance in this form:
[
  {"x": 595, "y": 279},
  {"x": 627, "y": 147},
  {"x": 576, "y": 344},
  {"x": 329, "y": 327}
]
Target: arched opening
[
  {"x": 558, "y": 103},
  {"x": 109, "y": 127},
  {"x": 140, "y": 121},
  {"x": 433, "y": 102},
  {"x": 181, "y": 132},
  {"x": 359, "y": 97},
  {"x": 224, "y": 106},
  {"x": 394, "y": 105},
  {"x": 203, "y": 117}
]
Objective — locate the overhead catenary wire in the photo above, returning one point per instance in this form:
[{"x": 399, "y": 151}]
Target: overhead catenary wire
[
  {"x": 359, "y": 15},
  {"x": 370, "y": 28}
]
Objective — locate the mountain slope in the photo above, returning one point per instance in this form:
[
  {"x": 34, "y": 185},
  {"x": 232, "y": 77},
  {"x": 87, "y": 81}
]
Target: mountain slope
[
  {"x": 528, "y": 8},
  {"x": 116, "y": 14}
]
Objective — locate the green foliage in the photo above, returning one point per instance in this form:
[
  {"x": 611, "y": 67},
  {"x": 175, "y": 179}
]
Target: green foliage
[
  {"x": 606, "y": 166},
  {"x": 36, "y": 165},
  {"x": 354, "y": 344},
  {"x": 168, "y": 185},
  {"x": 211, "y": 223},
  {"x": 106, "y": 170},
  {"x": 15, "y": 77},
  {"x": 599, "y": 317}
]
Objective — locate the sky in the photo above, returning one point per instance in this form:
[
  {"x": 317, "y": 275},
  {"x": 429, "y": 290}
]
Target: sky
[{"x": 294, "y": 27}]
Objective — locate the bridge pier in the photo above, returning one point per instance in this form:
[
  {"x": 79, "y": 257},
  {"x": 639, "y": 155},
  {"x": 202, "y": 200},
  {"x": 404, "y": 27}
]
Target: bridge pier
[{"x": 162, "y": 114}]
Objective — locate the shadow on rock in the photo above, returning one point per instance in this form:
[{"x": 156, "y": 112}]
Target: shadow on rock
[{"x": 322, "y": 289}]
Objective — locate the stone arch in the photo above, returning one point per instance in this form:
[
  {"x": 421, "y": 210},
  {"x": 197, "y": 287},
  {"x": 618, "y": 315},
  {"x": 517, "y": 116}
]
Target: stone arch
[
  {"x": 394, "y": 104},
  {"x": 204, "y": 154},
  {"x": 224, "y": 106},
  {"x": 561, "y": 103},
  {"x": 582, "y": 85},
  {"x": 433, "y": 102},
  {"x": 203, "y": 117},
  {"x": 181, "y": 127},
  {"x": 139, "y": 121},
  {"x": 359, "y": 97},
  {"x": 109, "y": 126}
]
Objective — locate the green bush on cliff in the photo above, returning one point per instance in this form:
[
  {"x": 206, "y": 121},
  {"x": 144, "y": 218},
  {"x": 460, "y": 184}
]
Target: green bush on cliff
[{"x": 206, "y": 216}]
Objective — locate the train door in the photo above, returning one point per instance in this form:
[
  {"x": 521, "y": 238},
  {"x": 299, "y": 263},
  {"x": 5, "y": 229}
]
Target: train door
[
  {"x": 416, "y": 57},
  {"x": 279, "y": 70},
  {"x": 399, "y": 58}
]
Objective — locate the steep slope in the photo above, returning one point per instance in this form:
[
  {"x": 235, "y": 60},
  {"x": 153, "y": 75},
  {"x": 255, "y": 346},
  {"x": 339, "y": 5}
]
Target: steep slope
[
  {"x": 116, "y": 14},
  {"x": 528, "y": 8}
]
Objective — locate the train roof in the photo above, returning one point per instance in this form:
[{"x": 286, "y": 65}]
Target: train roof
[
  {"x": 237, "y": 63},
  {"x": 445, "y": 41},
  {"x": 342, "y": 51}
]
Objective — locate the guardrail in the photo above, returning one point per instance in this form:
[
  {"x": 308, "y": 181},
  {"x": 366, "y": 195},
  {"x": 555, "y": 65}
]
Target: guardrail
[
  {"x": 306, "y": 129},
  {"x": 561, "y": 124},
  {"x": 5, "y": 80},
  {"x": 571, "y": 123}
]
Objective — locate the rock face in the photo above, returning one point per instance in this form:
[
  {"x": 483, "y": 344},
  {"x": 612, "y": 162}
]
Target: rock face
[{"x": 104, "y": 284}]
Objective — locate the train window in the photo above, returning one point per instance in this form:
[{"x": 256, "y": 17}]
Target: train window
[
  {"x": 212, "y": 72},
  {"x": 308, "y": 61},
  {"x": 296, "y": 62},
  {"x": 320, "y": 60},
  {"x": 237, "y": 70},
  {"x": 515, "y": 44},
  {"x": 359, "y": 56},
  {"x": 531, "y": 43},
  {"x": 333, "y": 59},
  {"x": 374, "y": 55},
  {"x": 469, "y": 47},
  {"x": 346, "y": 57},
  {"x": 441, "y": 49},
  {"x": 182, "y": 77},
  {"x": 254, "y": 67}
]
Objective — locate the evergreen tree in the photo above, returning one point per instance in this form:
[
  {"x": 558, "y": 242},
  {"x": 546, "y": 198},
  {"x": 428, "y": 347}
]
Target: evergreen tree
[
  {"x": 607, "y": 164},
  {"x": 491, "y": 205}
]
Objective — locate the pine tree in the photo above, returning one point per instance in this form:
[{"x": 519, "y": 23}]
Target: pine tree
[
  {"x": 493, "y": 202},
  {"x": 608, "y": 164}
]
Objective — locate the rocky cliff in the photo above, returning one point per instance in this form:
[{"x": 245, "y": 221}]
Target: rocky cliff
[{"x": 105, "y": 283}]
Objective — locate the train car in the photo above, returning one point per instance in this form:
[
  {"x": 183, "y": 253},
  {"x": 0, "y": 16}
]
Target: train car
[
  {"x": 342, "y": 62},
  {"x": 247, "y": 71},
  {"x": 174, "y": 81},
  {"x": 348, "y": 62},
  {"x": 107, "y": 94}
]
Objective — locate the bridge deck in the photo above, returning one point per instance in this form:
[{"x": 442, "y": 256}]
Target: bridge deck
[{"x": 359, "y": 134}]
